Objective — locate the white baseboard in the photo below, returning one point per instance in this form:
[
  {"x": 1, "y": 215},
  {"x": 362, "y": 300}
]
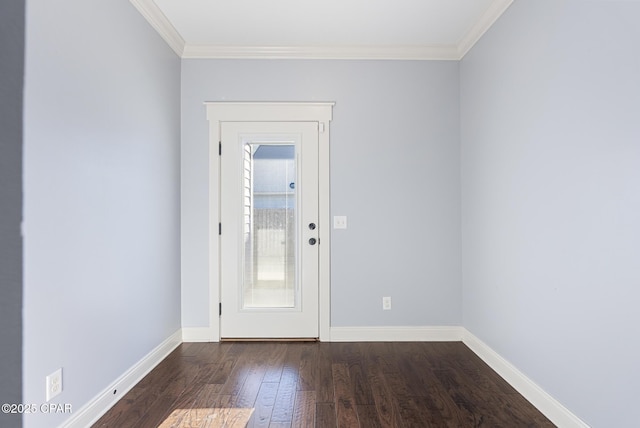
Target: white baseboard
[
  {"x": 97, "y": 407},
  {"x": 396, "y": 334},
  {"x": 199, "y": 334},
  {"x": 548, "y": 406}
]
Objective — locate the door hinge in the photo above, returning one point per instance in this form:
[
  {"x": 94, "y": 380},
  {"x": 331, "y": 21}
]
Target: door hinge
[
  {"x": 321, "y": 127},
  {"x": 220, "y": 309},
  {"x": 219, "y": 228},
  {"x": 220, "y": 148}
]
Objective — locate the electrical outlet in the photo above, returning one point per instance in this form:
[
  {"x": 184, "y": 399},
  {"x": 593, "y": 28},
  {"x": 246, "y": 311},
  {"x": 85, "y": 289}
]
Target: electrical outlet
[
  {"x": 386, "y": 303},
  {"x": 54, "y": 384}
]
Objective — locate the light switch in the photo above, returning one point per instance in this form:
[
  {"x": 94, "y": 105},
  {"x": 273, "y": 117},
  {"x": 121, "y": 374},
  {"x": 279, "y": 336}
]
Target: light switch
[{"x": 339, "y": 222}]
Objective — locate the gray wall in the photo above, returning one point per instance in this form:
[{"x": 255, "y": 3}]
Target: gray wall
[
  {"x": 394, "y": 173},
  {"x": 102, "y": 196},
  {"x": 551, "y": 200},
  {"x": 12, "y": 21}
]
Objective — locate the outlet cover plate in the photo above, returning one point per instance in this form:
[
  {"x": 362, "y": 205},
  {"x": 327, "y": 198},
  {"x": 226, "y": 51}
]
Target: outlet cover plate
[
  {"x": 386, "y": 303},
  {"x": 54, "y": 384}
]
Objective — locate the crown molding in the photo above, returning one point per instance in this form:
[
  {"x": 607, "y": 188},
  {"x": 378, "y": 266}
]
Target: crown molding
[
  {"x": 488, "y": 18},
  {"x": 154, "y": 16},
  {"x": 167, "y": 31},
  {"x": 322, "y": 52}
]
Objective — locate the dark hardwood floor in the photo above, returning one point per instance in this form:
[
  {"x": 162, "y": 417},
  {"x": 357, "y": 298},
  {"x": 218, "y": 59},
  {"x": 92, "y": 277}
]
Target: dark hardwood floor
[{"x": 297, "y": 384}]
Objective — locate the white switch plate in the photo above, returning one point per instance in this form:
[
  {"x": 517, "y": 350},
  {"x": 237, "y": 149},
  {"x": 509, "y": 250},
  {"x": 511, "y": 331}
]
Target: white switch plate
[
  {"x": 339, "y": 222},
  {"x": 54, "y": 384}
]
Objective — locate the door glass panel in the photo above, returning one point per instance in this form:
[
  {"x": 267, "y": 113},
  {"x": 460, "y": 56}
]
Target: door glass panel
[{"x": 269, "y": 217}]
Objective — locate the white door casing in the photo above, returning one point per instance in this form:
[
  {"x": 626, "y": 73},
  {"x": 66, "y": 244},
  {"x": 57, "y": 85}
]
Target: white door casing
[{"x": 219, "y": 112}]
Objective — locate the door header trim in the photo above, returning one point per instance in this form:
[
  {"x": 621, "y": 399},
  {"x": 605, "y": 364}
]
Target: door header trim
[{"x": 231, "y": 111}]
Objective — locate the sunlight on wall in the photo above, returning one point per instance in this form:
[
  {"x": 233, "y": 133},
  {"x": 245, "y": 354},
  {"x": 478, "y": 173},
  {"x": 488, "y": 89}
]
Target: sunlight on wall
[{"x": 214, "y": 417}]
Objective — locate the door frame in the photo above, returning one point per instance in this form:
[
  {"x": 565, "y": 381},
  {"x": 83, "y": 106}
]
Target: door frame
[{"x": 223, "y": 111}]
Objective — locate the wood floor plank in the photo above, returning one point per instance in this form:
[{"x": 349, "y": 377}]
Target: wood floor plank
[
  {"x": 190, "y": 349},
  {"x": 225, "y": 365},
  {"x": 280, "y": 425},
  {"x": 304, "y": 413},
  {"x": 368, "y": 416},
  {"x": 326, "y": 415},
  {"x": 212, "y": 352},
  {"x": 412, "y": 380},
  {"x": 385, "y": 401},
  {"x": 226, "y": 415},
  {"x": 468, "y": 411},
  {"x": 346, "y": 415},
  {"x": 285, "y": 397},
  {"x": 411, "y": 417},
  {"x": 274, "y": 364},
  {"x": 249, "y": 391},
  {"x": 263, "y": 407},
  {"x": 254, "y": 370},
  {"x": 238, "y": 374},
  {"x": 308, "y": 370},
  {"x": 325, "y": 385},
  {"x": 324, "y": 379},
  {"x": 206, "y": 400},
  {"x": 361, "y": 387},
  {"x": 382, "y": 355},
  {"x": 164, "y": 405}
]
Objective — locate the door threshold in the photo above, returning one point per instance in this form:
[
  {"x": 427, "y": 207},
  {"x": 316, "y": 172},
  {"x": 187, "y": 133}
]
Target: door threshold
[{"x": 269, "y": 339}]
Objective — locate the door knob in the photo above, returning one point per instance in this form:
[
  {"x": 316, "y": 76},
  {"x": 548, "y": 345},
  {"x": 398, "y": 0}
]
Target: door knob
[
  {"x": 313, "y": 241},
  {"x": 312, "y": 226}
]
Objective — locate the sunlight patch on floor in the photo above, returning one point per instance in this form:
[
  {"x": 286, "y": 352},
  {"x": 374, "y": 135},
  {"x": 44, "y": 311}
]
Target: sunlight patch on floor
[{"x": 227, "y": 417}]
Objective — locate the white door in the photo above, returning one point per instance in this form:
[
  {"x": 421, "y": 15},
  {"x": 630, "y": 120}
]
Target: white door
[{"x": 269, "y": 229}]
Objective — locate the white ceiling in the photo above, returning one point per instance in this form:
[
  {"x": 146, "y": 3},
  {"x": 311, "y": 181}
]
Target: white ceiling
[{"x": 358, "y": 29}]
